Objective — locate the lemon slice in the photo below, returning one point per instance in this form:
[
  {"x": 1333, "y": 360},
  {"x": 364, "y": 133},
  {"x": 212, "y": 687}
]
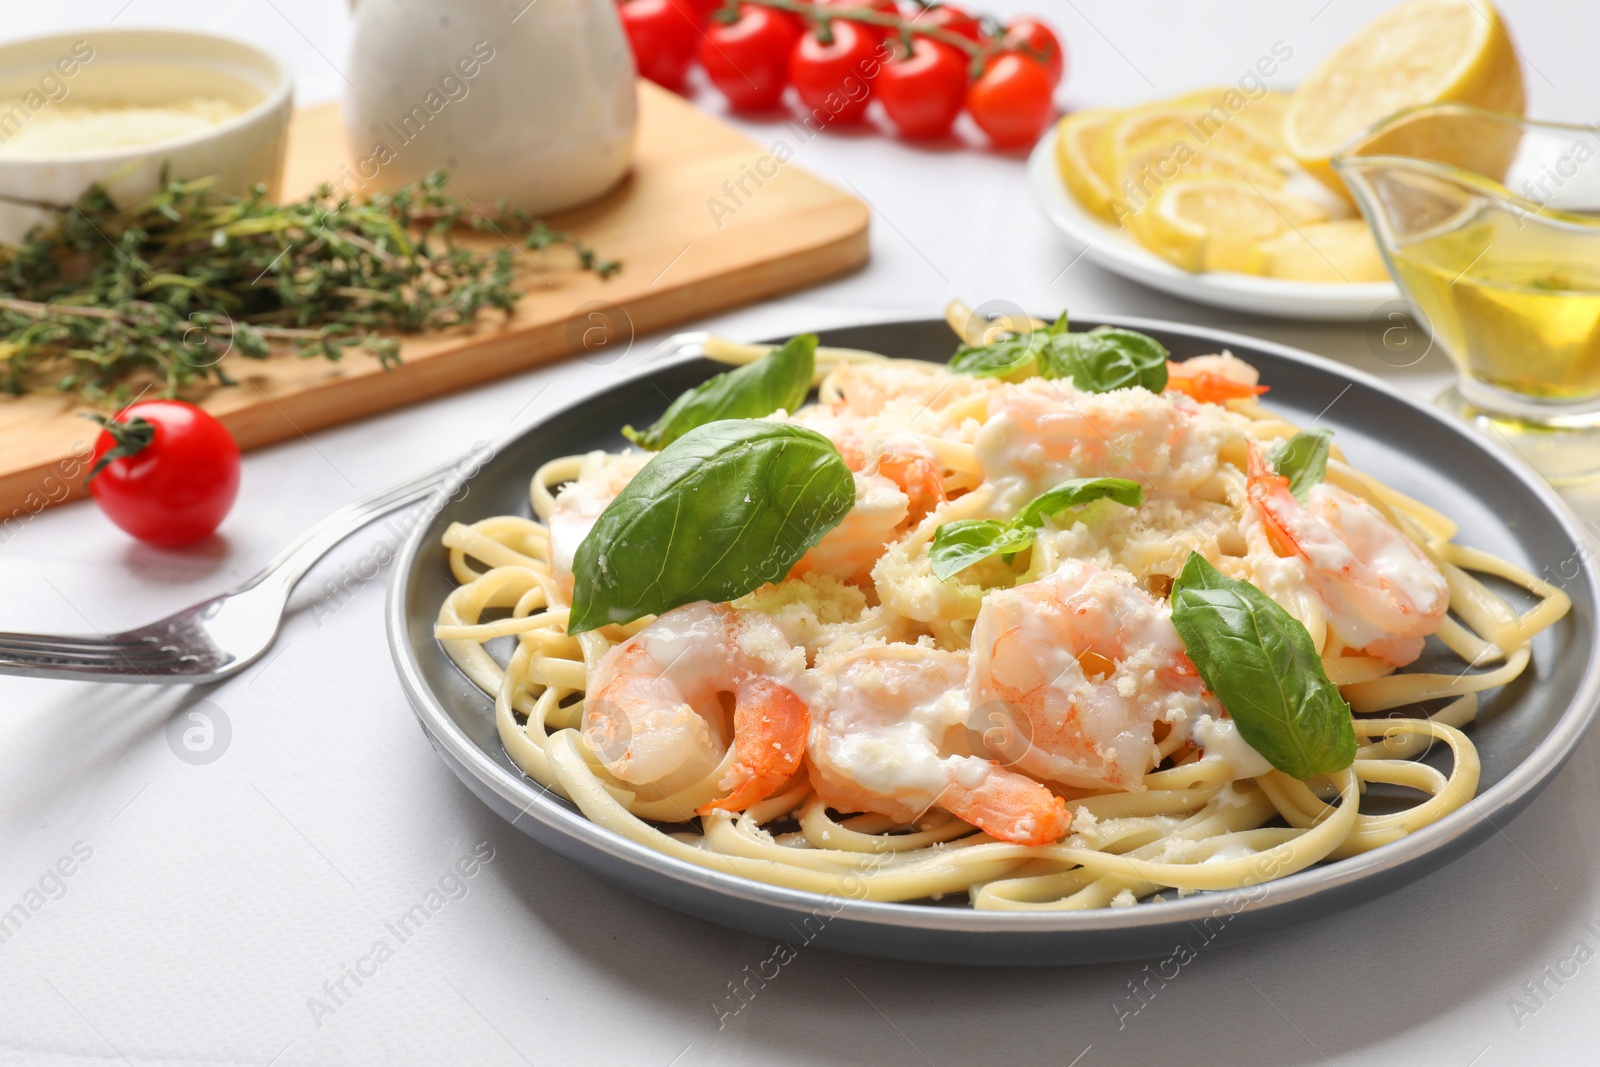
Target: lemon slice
[
  {"x": 1147, "y": 165},
  {"x": 1421, "y": 52},
  {"x": 1078, "y": 138},
  {"x": 1339, "y": 251},
  {"x": 1216, "y": 223},
  {"x": 1193, "y": 121}
]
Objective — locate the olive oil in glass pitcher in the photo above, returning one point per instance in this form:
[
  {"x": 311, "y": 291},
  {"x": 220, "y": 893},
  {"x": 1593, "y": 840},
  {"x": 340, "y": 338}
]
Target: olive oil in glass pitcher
[{"x": 1491, "y": 226}]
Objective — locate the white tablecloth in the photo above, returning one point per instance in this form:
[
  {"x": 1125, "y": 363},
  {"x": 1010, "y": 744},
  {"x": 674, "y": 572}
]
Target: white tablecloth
[{"x": 229, "y": 913}]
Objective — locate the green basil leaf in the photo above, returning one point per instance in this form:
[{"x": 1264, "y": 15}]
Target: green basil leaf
[
  {"x": 1106, "y": 359},
  {"x": 958, "y": 545},
  {"x": 779, "y": 379},
  {"x": 1260, "y": 662},
  {"x": 1014, "y": 357},
  {"x": 1076, "y": 493},
  {"x": 723, "y": 510},
  {"x": 1303, "y": 459}
]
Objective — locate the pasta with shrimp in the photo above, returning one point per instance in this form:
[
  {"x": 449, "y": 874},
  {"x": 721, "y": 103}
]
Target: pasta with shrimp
[{"x": 1030, "y": 730}]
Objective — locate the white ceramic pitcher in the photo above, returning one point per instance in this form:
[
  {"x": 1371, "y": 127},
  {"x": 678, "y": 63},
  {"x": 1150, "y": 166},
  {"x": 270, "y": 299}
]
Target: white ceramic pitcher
[{"x": 530, "y": 102}]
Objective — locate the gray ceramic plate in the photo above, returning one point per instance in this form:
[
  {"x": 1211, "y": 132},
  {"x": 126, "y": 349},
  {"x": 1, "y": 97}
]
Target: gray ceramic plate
[{"x": 1525, "y": 733}]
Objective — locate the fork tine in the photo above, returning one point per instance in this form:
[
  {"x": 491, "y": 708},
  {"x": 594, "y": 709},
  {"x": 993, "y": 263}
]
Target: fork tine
[
  {"x": 98, "y": 656},
  {"x": 76, "y": 641},
  {"x": 104, "y": 671},
  {"x": 55, "y": 643}
]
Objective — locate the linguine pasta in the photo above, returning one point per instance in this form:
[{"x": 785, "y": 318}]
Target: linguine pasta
[{"x": 1198, "y": 810}]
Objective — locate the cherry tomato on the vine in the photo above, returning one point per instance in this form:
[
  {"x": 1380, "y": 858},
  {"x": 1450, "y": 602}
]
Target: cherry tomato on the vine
[
  {"x": 663, "y": 35},
  {"x": 1039, "y": 40},
  {"x": 1011, "y": 100},
  {"x": 923, "y": 92},
  {"x": 954, "y": 19},
  {"x": 165, "y": 471},
  {"x": 834, "y": 77},
  {"x": 748, "y": 60}
]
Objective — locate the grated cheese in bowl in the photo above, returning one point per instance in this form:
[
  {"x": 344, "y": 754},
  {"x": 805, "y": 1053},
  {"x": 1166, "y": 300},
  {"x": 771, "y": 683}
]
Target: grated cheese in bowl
[{"x": 67, "y": 129}]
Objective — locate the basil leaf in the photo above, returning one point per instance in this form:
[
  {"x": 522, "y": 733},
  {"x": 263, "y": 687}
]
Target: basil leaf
[
  {"x": 1014, "y": 357},
  {"x": 958, "y": 545},
  {"x": 779, "y": 379},
  {"x": 721, "y": 511},
  {"x": 1106, "y": 359},
  {"x": 1303, "y": 459},
  {"x": 1260, "y": 662},
  {"x": 1076, "y": 493}
]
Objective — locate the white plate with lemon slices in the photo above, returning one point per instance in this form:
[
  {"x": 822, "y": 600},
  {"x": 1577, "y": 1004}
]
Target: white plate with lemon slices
[
  {"x": 1110, "y": 247},
  {"x": 1226, "y": 196}
]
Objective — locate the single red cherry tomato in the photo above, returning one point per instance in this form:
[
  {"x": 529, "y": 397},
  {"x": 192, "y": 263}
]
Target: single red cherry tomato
[
  {"x": 663, "y": 35},
  {"x": 165, "y": 471},
  {"x": 954, "y": 19},
  {"x": 834, "y": 78},
  {"x": 748, "y": 60},
  {"x": 1011, "y": 100},
  {"x": 923, "y": 92},
  {"x": 1037, "y": 39}
]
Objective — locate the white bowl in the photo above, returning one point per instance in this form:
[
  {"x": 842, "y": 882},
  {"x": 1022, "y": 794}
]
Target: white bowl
[
  {"x": 141, "y": 66},
  {"x": 1108, "y": 247}
]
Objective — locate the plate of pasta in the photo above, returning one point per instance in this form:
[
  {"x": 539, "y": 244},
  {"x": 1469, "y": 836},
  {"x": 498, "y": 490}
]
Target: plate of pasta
[{"x": 1000, "y": 640}]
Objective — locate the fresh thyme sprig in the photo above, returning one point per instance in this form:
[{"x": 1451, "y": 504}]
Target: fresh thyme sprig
[{"x": 103, "y": 299}]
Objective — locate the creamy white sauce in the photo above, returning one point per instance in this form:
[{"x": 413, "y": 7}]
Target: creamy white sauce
[{"x": 1221, "y": 741}]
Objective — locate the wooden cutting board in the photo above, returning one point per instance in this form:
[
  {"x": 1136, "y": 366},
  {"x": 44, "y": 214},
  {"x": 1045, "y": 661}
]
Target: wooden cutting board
[{"x": 681, "y": 259}]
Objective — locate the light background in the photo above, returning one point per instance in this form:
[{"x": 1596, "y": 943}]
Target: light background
[{"x": 219, "y": 898}]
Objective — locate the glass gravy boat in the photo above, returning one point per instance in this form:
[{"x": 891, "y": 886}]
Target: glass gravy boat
[{"x": 1491, "y": 226}]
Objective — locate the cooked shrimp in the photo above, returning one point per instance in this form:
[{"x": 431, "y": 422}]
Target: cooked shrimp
[
  {"x": 657, "y": 704},
  {"x": 917, "y": 396},
  {"x": 889, "y": 724},
  {"x": 1040, "y": 433},
  {"x": 897, "y": 482},
  {"x": 1381, "y": 592},
  {"x": 1086, "y": 663},
  {"x": 1214, "y": 379},
  {"x": 579, "y": 504},
  {"x": 902, "y": 459}
]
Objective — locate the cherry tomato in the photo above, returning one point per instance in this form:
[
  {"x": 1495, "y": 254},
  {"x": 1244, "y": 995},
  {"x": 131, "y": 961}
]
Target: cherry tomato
[
  {"x": 165, "y": 471},
  {"x": 954, "y": 19},
  {"x": 1041, "y": 42},
  {"x": 923, "y": 92},
  {"x": 835, "y": 78},
  {"x": 1011, "y": 100},
  {"x": 663, "y": 35},
  {"x": 748, "y": 60}
]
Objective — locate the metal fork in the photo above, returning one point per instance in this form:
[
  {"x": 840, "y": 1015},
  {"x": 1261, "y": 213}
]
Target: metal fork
[
  {"x": 224, "y": 635},
  {"x": 217, "y": 637}
]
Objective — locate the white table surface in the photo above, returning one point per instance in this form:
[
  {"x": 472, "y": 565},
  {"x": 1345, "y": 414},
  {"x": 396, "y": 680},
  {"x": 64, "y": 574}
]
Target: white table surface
[{"x": 217, "y": 900}]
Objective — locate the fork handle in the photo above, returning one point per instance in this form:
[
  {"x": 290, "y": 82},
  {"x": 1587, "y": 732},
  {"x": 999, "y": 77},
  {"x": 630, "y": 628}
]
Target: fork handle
[{"x": 290, "y": 565}]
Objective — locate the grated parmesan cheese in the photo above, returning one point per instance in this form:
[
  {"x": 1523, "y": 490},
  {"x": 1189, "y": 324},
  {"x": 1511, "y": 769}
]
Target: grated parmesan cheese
[{"x": 69, "y": 129}]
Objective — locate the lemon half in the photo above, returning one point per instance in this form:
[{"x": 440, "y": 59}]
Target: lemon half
[{"x": 1421, "y": 52}]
